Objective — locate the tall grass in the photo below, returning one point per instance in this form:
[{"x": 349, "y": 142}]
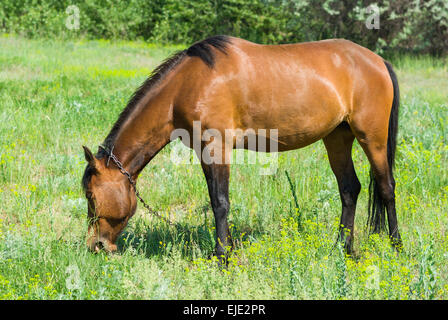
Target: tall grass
[{"x": 56, "y": 96}]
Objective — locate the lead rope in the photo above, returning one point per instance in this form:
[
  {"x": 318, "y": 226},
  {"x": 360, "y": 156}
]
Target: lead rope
[{"x": 132, "y": 182}]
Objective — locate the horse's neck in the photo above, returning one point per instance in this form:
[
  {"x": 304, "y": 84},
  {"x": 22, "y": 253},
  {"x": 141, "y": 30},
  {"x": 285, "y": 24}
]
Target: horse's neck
[{"x": 144, "y": 134}]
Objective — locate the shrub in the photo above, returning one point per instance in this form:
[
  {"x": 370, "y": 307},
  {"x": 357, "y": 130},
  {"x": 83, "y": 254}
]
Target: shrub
[{"x": 405, "y": 25}]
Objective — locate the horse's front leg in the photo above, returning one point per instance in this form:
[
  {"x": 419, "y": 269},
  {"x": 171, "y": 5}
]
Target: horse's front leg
[{"x": 217, "y": 176}]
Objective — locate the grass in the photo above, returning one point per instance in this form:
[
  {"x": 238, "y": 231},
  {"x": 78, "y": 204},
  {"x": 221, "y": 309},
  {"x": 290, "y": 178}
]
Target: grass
[{"x": 56, "y": 96}]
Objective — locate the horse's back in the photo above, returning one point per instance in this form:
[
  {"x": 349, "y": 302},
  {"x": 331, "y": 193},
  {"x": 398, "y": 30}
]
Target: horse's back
[{"x": 304, "y": 90}]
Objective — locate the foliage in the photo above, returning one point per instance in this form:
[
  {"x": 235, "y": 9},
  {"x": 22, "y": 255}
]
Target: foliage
[{"x": 410, "y": 25}]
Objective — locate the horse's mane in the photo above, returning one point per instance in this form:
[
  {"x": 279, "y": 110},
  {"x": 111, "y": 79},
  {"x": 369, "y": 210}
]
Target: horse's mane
[
  {"x": 202, "y": 49},
  {"x": 157, "y": 75}
]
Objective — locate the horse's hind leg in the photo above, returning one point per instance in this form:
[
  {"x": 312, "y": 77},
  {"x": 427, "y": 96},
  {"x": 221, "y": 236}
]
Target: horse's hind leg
[
  {"x": 385, "y": 182},
  {"x": 339, "y": 146}
]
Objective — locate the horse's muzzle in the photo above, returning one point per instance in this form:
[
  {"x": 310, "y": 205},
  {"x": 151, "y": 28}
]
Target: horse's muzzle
[{"x": 97, "y": 244}]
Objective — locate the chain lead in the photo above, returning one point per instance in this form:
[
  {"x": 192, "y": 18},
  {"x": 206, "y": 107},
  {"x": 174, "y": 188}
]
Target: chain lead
[{"x": 134, "y": 185}]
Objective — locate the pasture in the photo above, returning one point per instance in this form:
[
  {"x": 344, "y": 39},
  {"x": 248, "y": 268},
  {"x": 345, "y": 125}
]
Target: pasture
[{"x": 56, "y": 96}]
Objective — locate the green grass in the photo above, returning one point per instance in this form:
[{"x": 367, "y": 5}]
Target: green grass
[{"x": 56, "y": 96}]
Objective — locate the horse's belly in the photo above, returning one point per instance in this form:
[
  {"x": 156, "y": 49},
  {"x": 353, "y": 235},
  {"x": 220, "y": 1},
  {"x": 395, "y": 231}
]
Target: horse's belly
[{"x": 294, "y": 127}]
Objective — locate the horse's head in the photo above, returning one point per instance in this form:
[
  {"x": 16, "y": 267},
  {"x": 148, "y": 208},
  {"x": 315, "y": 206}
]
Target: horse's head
[{"x": 111, "y": 202}]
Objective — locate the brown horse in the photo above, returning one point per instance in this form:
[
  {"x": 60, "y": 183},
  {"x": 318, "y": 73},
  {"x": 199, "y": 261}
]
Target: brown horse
[{"x": 333, "y": 90}]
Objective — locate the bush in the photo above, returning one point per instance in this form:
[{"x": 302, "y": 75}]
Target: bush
[{"x": 405, "y": 25}]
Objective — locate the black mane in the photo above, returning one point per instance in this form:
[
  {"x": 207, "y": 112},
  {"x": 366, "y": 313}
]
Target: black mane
[
  {"x": 202, "y": 49},
  {"x": 157, "y": 75}
]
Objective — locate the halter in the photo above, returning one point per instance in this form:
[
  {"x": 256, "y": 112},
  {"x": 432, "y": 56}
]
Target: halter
[{"x": 133, "y": 184}]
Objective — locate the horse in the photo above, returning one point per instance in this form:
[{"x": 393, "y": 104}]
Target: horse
[{"x": 334, "y": 90}]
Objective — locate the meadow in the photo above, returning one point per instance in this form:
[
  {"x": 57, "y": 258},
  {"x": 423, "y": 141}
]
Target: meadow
[{"x": 56, "y": 96}]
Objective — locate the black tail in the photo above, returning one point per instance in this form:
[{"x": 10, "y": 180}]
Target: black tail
[{"x": 377, "y": 216}]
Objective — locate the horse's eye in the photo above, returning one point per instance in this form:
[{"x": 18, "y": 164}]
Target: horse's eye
[{"x": 89, "y": 195}]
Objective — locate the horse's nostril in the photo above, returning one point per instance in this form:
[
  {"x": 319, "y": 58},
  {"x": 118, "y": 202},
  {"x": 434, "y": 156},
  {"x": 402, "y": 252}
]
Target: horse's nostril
[{"x": 98, "y": 246}]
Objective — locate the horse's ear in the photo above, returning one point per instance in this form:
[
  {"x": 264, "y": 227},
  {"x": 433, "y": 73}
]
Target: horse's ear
[{"x": 90, "y": 158}]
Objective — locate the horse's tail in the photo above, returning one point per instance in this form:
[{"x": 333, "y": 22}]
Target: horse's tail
[{"x": 377, "y": 216}]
